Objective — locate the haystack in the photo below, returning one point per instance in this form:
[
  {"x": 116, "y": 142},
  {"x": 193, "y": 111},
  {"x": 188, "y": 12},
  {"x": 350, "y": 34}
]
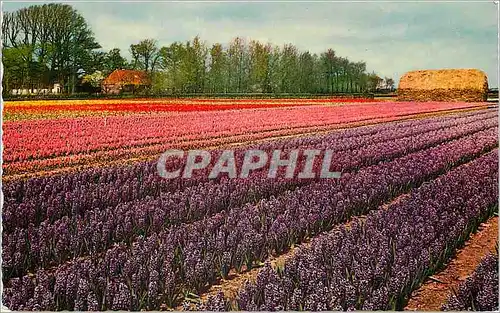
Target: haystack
[{"x": 444, "y": 85}]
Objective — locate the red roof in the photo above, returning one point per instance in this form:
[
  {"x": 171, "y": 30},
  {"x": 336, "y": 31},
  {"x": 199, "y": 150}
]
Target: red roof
[{"x": 127, "y": 77}]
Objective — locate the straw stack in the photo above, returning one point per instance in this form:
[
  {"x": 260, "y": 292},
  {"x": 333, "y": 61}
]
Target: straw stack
[{"x": 444, "y": 85}]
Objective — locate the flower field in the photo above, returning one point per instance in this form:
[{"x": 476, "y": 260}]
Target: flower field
[
  {"x": 33, "y": 146},
  {"x": 89, "y": 225},
  {"x": 479, "y": 291}
]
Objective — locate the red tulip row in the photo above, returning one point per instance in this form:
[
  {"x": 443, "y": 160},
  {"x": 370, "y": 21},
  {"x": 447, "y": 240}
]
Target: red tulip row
[
  {"x": 28, "y": 110},
  {"x": 42, "y": 139}
]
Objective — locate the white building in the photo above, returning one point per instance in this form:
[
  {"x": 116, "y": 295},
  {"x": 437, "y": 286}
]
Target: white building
[{"x": 57, "y": 89}]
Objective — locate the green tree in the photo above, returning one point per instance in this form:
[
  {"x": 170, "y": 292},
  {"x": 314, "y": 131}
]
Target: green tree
[
  {"x": 306, "y": 75},
  {"x": 374, "y": 82},
  {"x": 52, "y": 38},
  {"x": 289, "y": 70},
  {"x": 170, "y": 61},
  {"x": 358, "y": 71},
  {"x": 259, "y": 73},
  {"x": 343, "y": 70},
  {"x": 329, "y": 70},
  {"x": 274, "y": 70},
  {"x": 217, "y": 69},
  {"x": 189, "y": 68},
  {"x": 94, "y": 79},
  {"x": 15, "y": 66},
  {"x": 113, "y": 60},
  {"x": 160, "y": 82},
  {"x": 237, "y": 66},
  {"x": 199, "y": 59},
  {"x": 145, "y": 55}
]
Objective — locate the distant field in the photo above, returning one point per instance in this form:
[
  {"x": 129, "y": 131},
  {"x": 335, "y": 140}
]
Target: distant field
[
  {"x": 53, "y": 109},
  {"x": 46, "y": 136},
  {"x": 88, "y": 224}
]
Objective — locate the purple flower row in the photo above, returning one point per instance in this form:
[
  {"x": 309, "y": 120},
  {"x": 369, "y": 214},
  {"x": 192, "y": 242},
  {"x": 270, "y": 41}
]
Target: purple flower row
[
  {"x": 50, "y": 198},
  {"x": 35, "y": 209},
  {"x": 375, "y": 264},
  {"x": 159, "y": 269},
  {"x": 96, "y": 230},
  {"x": 250, "y": 234},
  {"x": 479, "y": 292}
]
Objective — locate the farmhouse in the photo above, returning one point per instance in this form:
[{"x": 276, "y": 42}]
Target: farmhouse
[
  {"x": 444, "y": 85},
  {"x": 125, "y": 81}
]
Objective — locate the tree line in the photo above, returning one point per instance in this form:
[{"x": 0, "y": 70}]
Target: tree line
[{"x": 49, "y": 43}]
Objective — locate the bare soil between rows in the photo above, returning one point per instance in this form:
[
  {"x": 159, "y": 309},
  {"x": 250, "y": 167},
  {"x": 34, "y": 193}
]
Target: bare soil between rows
[{"x": 435, "y": 290}]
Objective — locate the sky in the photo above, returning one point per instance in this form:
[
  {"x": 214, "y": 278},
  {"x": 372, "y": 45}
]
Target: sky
[{"x": 391, "y": 37}]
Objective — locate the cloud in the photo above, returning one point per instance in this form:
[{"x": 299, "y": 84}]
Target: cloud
[
  {"x": 108, "y": 26},
  {"x": 391, "y": 38}
]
